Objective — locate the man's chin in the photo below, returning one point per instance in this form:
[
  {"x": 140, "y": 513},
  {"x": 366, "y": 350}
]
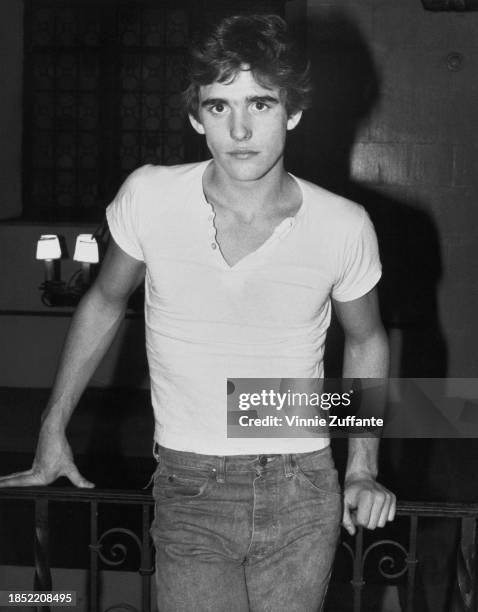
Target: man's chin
[{"x": 246, "y": 170}]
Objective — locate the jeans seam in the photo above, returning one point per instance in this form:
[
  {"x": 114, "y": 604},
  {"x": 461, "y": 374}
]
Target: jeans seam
[{"x": 253, "y": 514}]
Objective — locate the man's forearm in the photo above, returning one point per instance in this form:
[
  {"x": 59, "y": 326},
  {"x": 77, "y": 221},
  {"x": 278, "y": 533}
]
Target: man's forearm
[
  {"x": 369, "y": 359},
  {"x": 362, "y": 460},
  {"x": 92, "y": 330}
]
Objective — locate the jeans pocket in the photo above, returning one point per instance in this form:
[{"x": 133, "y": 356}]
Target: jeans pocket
[
  {"x": 321, "y": 480},
  {"x": 171, "y": 483}
]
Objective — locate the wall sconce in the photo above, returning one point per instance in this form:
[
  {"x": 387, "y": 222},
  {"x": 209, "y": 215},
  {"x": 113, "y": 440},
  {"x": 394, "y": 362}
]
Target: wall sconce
[
  {"x": 54, "y": 291},
  {"x": 86, "y": 252},
  {"x": 48, "y": 249}
]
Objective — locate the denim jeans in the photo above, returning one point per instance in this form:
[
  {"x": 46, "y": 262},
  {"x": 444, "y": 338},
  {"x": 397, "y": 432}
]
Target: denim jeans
[{"x": 244, "y": 532}]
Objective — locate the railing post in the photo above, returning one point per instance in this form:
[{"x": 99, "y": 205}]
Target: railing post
[
  {"x": 465, "y": 596},
  {"x": 357, "y": 578},
  {"x": 42, "y": 578},
  {"x": 94, "y": 548},
  {"x": 146, "y": 569},
  {"x": 412, "y": 562}
]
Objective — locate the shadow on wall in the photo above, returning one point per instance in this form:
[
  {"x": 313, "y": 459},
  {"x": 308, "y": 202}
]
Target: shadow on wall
[{"x": 347, "y": 88}]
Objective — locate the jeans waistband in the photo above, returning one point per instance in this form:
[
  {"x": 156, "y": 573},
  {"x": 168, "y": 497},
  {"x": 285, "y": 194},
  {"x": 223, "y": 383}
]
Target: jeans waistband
[{"x": 221, "y": 464}]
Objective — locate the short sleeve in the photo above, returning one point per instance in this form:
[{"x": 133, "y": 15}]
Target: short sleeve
[
  {"x": 360, "y": 268},
  {"x": 123, "y": 217}
]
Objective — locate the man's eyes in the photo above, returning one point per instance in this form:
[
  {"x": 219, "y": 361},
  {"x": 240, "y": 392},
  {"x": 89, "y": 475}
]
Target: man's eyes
[
  {"x": 220, "y": 109},
  {"x": 260, "y": 106},
  {"x": 217, "y": 109}
]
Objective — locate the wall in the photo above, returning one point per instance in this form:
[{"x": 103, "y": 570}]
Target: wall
[
  {"x": 32, "y": 342},
  {"x": 395, "y": 129},
  {"x": 11, "y": 53}
]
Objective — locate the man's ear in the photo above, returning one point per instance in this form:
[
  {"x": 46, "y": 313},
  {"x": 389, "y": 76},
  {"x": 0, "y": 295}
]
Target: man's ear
[
  {"x": 196, "y": 124},
  {"x": 293, "y": 120}
]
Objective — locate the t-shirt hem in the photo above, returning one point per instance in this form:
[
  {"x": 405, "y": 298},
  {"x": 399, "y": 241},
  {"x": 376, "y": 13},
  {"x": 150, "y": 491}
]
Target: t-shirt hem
[
  {"x": 361, "y": 290},
  {"x": 255, "y": 446}
]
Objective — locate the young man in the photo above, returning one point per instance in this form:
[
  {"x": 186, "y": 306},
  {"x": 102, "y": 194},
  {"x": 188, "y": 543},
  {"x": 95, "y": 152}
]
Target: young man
[{"x": 241, "y": 262}]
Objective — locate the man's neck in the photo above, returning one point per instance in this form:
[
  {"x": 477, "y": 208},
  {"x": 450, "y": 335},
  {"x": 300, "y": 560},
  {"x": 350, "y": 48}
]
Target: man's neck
[{"x": 248, "y": 199}]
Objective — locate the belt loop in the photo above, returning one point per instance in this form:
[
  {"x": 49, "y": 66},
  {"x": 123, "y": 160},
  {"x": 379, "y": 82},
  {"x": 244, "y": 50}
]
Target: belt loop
[
  {"x": 221, "y": 469},
  {"x": 288, "y": 466}
]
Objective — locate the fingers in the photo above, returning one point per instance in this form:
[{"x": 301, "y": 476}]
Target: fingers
[
  {"x": 367, "y": 504},
  {"x": 392, "y": 509},
  {"x": 77, "y": 479},
  {"x": 35, "y": 478},
  {"x": 347, "y": 520},
  {"x": 385, "y": 510},
  {"x": 383, "y": 516},
  {"x": 375, "y": 508},
  {"x": 20, "y": 479}
]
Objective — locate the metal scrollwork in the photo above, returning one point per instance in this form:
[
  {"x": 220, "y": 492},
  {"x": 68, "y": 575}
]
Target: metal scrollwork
[
  {"x": 349, "y": 549},
  {"x": 118, "y": 551},
  {"x": 388, "y": 559}
]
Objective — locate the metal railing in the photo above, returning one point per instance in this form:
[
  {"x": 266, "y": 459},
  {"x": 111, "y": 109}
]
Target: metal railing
[
  {"x": 95, "y": 499},
  {"x": 358, "y": 549},
  {"x": 392, "y": 568}
]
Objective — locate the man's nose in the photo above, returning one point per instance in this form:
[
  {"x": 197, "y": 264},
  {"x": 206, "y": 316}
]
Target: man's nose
[{"x": 240, "y": 126}]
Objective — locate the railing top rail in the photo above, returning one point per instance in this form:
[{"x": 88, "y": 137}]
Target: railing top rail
[
  {"x": 437, "y": 509},
  {"x": 129, "y": 496},
  {"x": 119, "y": 496}
]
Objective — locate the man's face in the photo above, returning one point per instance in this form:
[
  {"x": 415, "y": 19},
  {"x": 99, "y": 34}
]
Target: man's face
[{"x": 245, "y": 125}]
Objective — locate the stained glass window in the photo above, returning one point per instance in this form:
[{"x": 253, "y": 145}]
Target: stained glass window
[{"x": 103, "y": 84}]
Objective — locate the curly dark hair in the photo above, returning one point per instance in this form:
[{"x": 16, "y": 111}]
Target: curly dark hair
[{"x": 261, "y": 42}]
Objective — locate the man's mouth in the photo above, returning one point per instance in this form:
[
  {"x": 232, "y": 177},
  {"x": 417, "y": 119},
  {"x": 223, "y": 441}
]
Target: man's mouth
[{"x": 243, "y": 153}]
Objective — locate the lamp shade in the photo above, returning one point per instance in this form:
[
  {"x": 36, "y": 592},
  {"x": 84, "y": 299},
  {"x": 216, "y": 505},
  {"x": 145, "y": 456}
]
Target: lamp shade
[
  {"x": 48, "y": 247},
  {"x": 86, "y": 249}
]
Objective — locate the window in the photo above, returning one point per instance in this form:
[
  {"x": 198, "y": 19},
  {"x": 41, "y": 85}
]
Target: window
[{"x": 103, "y": 84}]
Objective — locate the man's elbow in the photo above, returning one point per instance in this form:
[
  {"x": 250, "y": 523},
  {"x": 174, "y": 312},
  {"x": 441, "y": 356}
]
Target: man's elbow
[
  {"x": 374, "y": 338},
  {"x": 369, "y": 353}
]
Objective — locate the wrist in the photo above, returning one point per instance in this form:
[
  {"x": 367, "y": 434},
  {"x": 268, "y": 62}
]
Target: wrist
[
  {"x": 53, "y": 424},
  {"x": 362, "y": 474}
]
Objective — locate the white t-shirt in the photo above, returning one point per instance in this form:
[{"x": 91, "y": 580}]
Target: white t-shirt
[{"x": 265, "y": 317}]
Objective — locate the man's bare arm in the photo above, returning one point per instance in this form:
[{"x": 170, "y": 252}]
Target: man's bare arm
[
  {"x": 366, "y": 355},
  {"x": 93, "y": 327}
]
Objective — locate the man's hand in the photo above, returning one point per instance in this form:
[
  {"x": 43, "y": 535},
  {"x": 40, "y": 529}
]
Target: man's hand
[
  {"x": 53, "y": 458},
  {"x": 367, "y": 503}
]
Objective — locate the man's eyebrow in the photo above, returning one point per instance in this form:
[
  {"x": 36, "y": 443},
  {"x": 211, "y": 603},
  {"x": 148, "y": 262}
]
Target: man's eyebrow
[
  {"x": 265, "y": 98},
  {"x": 212, "y": 102}
]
